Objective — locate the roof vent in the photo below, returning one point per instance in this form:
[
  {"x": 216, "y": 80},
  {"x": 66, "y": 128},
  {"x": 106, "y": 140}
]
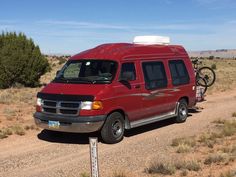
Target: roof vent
[{"x": 149, "y": 40}]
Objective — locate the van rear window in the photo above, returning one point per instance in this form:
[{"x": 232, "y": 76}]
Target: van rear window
[
  {"x": 154, "y": 75},
  {"x": 179, "y": 72}
]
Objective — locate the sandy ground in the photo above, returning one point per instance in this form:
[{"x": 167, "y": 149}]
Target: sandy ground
[{"x": 39, "y": 153}]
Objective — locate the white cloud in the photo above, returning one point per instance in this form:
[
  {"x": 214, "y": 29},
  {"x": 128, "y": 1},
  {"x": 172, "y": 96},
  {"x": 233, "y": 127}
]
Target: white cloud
[
  {"x": 76, "y": 24},
  {"x": 90, "y": 25},
  {"x": 57, "y": 36}
]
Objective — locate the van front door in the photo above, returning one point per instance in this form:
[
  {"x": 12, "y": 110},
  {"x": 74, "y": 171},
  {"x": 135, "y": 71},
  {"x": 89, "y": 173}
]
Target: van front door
[{"x": 128, "y": 90}]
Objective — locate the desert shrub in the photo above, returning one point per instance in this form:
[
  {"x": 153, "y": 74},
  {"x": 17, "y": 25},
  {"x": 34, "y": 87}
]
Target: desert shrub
[
  {"x": 229, "y": 128},
  {"x": 215, "y": 158},
  {"x": 213, "y": 66},
  {"x": 165, "y": 168},
  {"x": 183, "y": 148},
  {"x": 119, "y": 174},
  {"x": 190, "y": 141},
  {"x": 188, "y": 165},
  {"x": 211, "y": 57},
  {"x": 18, "y": 130},
  {"x": 234, "y": 114},
  {"x": 21, "y": 61},
  {"x": 62, "y": 60},
  {"x": 228, "y": 174},
  {"x": 84, "y": 174}
]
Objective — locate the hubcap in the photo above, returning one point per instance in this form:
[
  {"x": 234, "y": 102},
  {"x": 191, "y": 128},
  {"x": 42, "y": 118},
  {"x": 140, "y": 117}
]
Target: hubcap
[
  {"x": 117, "y": 128},
  {"x": 183, "y": 111}
]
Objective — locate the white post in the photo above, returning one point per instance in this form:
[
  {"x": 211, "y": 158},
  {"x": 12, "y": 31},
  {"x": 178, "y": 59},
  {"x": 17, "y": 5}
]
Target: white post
[{"x": 93, "y": 146}]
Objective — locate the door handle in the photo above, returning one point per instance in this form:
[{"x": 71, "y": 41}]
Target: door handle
[{"x": 137, "y": 86}]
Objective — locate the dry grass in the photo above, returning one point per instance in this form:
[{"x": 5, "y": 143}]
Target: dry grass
[
  {"x": 183, "y": 148},
  {"x": 183, "y": 145},
  {"x": 209, "y": 139},
  {"x": 229, "y": 128},
  {"x": 219, "y": 121},
  {"x": 5, "y": 132},
  {"x": 165, "y": 168},
  {"x": 31, "y": 127},
  {"x": 234, "y": 114},
  {"x": 120, "y": 174},
  {"x": 115, "y": 174},
  {"x": 170, "y": 167},
  {"x": 216, "y": 158},
  {"x": 9, "y": 113},
  {"x": 18, "y": 95},
  {"x": 190, "y": 141},
  {"x": 188, "y": 165},
  {"x": 225, "y": 74},
  {"x": 222, "y": 152},
  {"x": 15, "y": 129},
  {"x": 18, "y": 130},
  {"x": 84, "y": 174},
  {"x": 229, "y": 173}
]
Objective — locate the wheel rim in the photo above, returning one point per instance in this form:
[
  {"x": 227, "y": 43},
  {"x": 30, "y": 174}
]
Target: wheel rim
[
  {"x": 117, "y": 128},
  {"x": 183, "y": 111}
]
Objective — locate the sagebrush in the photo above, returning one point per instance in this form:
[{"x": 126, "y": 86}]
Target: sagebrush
[{"x": 21, "y": 61}]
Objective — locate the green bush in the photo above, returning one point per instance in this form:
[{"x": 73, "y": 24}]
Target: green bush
[{"x": 21, "y": 61}]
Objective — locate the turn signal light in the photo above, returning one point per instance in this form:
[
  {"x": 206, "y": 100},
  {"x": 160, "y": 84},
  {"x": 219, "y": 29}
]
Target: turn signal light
[{"x": 97, "y": 105}]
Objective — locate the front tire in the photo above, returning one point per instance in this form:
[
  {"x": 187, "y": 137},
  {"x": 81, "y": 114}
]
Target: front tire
[
  {"x": 182, "y": 111},
  {"x": 113, "y": 129}
]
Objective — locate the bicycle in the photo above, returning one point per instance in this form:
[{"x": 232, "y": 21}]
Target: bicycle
[{"x": 205, "y": 76}]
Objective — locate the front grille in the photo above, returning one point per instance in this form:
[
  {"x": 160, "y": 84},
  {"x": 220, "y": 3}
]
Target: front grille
[
  {"x": 50, "y": 110},
  {"x": 70, "y": 105},
  {"x": 60, "y": 107},
  {"x": 50, "y": 103}
]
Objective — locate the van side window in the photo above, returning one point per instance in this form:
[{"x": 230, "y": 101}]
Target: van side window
[
  {"x": 179, "y": 72},
  {"x": 128, "y": 71},
  {"x": 154, "y": 75}
]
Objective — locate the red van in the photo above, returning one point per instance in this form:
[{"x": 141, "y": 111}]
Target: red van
[{"x": 119, "y": 86}]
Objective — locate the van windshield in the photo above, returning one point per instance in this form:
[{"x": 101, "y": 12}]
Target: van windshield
[{"x": 87, "y": 71}]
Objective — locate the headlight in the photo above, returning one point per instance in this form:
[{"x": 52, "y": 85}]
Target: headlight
[
  {"x": 86, "y": 105},
  {"x": 39, "y": 105},
  {"x": 89, "y": 105},
  {"x": 39, "y": 102}
]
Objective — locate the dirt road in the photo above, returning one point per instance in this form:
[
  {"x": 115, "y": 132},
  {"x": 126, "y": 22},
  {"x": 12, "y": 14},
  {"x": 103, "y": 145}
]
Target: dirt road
[{"x": 40, "y": 154}]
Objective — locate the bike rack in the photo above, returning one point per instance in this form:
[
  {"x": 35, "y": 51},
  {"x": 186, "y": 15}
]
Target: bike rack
[{"x": 199, "y": 94}]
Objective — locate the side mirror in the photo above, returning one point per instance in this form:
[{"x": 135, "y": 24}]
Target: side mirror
[{"x": 57, "y": 72}]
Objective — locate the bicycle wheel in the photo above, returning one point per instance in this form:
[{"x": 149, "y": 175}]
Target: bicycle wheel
[
  {"x": 201, "y": 84},
  {"x": 208, "y": 74}
]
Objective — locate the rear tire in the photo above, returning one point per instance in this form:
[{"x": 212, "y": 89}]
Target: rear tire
[
  {"x": 113, "y": 129},
  {"x": 202, "y": 84},
  {"x": 182, "y": 111},
  {"x": 208, "y": 74}
]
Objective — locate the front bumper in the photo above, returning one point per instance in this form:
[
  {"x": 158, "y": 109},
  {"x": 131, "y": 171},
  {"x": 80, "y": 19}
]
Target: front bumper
[{"x": 74, "y": 124}]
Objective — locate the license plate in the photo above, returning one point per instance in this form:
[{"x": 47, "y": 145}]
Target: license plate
[{"x": 53, "y": 124}]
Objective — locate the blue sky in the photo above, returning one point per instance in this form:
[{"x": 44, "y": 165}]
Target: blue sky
[{"x": 70, "y": 26}]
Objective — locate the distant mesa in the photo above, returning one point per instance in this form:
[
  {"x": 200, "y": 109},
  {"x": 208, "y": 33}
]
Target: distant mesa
[{"x": 219, "y": 53}]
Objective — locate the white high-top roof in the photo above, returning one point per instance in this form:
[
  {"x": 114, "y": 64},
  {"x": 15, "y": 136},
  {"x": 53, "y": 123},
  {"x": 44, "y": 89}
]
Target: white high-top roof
[{"x": 149, "y": 40}]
